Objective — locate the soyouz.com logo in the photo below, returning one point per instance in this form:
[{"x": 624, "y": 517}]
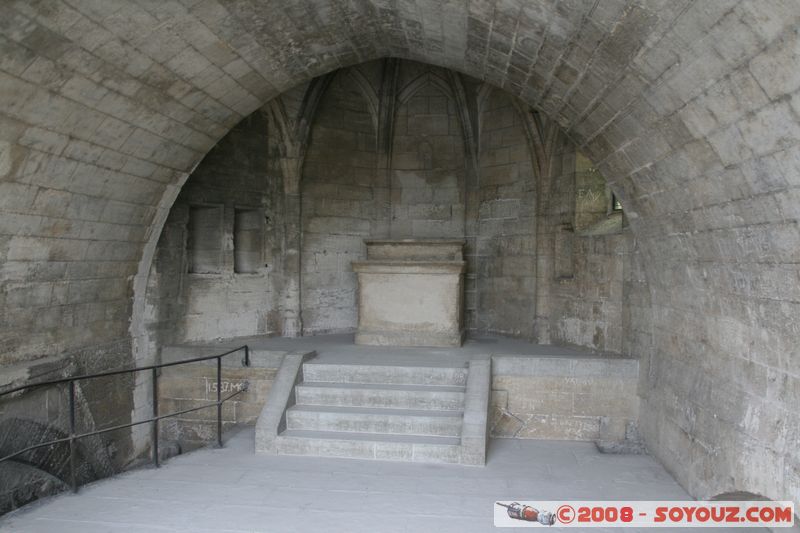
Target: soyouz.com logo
[{"x": 516, "y": 513}]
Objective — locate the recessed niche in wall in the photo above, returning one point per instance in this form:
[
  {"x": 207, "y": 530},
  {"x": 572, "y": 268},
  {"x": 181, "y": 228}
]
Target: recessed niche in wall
[
  {"x": 591, "y": 194},
  {"x": 204, "y": 245},
  {"x": 597, "y": 209},
  {"x": 247, "y": 240},
  {"x": 616, "y": 205},
  {"x": 564, "y": 264}
]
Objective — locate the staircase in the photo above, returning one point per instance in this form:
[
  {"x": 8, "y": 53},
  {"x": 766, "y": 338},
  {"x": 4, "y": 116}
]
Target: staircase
[{"x": 385, "y": 412}]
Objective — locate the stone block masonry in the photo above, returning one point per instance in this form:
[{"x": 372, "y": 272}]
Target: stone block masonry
[
  {"x": 188, "y": 386},
  {"x": 192, "y": 388},
  {"x": 506, "y": 202},
  {"x": 387, "y": 412},
  {"x": 342, "y": 204},
  {"x": 411, "y": 293},
  {"x": 564, "y": 398},
  {"x": 689, "y": 109},
  {"x": 358, "y": 183},
  {"x": 196, "y": 292},
  {"x": 428, "y": 162}
]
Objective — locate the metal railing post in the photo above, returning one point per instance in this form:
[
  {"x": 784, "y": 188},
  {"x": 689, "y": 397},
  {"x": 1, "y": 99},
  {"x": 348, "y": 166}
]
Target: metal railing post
[
  {"x": 154, "y": 429},
  {"x": 72, "y": 479},
  {"x": 246, "y": 355},
  {"x": 219, "y": 402}
]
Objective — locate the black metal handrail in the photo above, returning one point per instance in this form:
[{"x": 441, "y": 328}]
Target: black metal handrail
[{"x": 155, "y": 418}]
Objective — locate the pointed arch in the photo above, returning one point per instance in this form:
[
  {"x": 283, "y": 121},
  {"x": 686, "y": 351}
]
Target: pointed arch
[
  {"x": 308, "y": 110},
  {"x": 367, "y": 91},
  {"x": 421, "y": 81}
]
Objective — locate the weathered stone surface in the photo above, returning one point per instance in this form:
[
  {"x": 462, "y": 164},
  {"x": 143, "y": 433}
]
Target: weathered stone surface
[
  {"x": 114, "y": 103},
  {"x": 564, "y": 398},
  {"x": 271, "y": 417},
  {"x": 372, "y": 411},
  {"x": 410, "y": 293},
  {"x": 475, "y": 428},
  {"x": 189, "y": 386}
]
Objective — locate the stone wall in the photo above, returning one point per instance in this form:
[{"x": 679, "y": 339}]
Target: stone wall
[
  {"x": 344, "y": 200},
  {"x": 415, "y": 179},
  {"x": 587, "y": 306},
  {"x": 195, "y": 385},
  {"x": 506, "y": 226},
  {"x": 207, "y": 290},
  {"x": 690, "y": 108},
  {"x": 584, "y": 251},
  {"x": 563, "y": 398},
  {"x": 423, "y": 191},
  {"x": 428, "y": 160},
  {"x": 540, "y": 239}
]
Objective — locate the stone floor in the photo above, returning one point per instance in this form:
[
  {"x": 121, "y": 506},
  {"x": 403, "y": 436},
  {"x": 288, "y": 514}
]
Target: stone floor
[
  {"x": 234, "y": 490},
  {"x": 341, "y": 349}
]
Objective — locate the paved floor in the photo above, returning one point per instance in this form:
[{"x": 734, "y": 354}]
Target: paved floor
[
  {"x": 341, "y": 349},
  {"x": 234, "y": 490}
]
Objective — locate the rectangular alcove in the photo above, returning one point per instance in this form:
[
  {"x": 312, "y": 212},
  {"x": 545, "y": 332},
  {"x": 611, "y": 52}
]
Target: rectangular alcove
[
  {"x": 248, "y": 237},
  {"x": 564, "y": 252},
  {"x": 204, "y": 242}
]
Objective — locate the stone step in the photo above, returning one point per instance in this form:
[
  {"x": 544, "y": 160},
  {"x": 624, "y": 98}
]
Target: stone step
[
  {"x": 414, "y": 448},
  {"x": 417, "y": 397},
  {"x": 432, "y": 414},
  {"x": 385, "y": 374},
  {"x": 370, "y": 420}
]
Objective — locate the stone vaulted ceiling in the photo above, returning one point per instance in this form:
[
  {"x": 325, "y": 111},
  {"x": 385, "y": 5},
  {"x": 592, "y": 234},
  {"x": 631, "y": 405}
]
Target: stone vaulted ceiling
[{"x": 690, "y": 108}]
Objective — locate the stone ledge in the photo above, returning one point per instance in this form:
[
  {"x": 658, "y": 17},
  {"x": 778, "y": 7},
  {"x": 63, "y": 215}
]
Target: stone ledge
[
  {"x": 412, "y": 242},
  {"x": 539, "y": 366},
  {"x": 259, "y": 357},
  {"x": 474, "y": 431},
  {"x": 375, "y": 266},
  {"x": 415, "y": 249},
  {"x": 416, "y": 338}
]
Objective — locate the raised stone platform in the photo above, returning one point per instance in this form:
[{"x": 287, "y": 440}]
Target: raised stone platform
[
  {"x": 538, "y": 391},
  {"x": 390, "y": 412}
]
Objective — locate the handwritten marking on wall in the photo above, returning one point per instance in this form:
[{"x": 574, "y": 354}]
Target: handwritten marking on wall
[{"x": 225, "y": 385}]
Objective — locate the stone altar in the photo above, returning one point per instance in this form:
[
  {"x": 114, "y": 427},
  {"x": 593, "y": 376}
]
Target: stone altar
[{"x": 410, "y": 293}]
